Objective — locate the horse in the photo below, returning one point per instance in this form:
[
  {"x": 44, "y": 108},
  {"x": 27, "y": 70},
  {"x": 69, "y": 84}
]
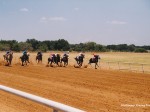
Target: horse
[
  {"x": 57, "y": 59},
  {"x": 24, "y": 59},
  {"x": 39, "y": 58},
  {"x": 65, "y": 60},
  {"x": 79, "y": 60},
  {"x": 94, "y": 60},
  {"x": 8, "y": 58},
  {"x": 54, "y": 59}
]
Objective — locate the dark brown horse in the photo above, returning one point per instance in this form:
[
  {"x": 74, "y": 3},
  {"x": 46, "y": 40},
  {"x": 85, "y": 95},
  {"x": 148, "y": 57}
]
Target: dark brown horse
[
  {"x": 64, "y": 60},
  {"x": 95, "y": 60},
  {"x": 54, "y": 59},
  {"x": 8, "y": 58},
  {"x": 39, "y": 58},
  {"x": 24, "y": 59},
  {"x": 79, "y": 59}
]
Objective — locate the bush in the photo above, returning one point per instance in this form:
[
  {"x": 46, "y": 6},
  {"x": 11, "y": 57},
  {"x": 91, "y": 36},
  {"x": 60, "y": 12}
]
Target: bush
[
  {"x": 43, "y": 47},
  {"x": 141, "y": 50}
]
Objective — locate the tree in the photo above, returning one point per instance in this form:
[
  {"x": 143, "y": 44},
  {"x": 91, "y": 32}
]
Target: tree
[
  {"x": 16, "y": 47},
  {"x": 62, "y": 44},
  {"x": 112, "y": 47},
  {"x": 25, "y": 46},
  {"x": 90, "y": 46},
  {"x": 141, "y": 50},
  {"x": 4, "y": 47},
  {"x": 99, "y": 47},
  {"x": 131, "y": 47},
  {"x": 43, "y": 47},
  {"x": 122, "y": 47},
  {"x": 34, "y": 43}
]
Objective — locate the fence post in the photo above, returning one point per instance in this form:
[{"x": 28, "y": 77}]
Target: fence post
[
  {"x": 142, "y": 68},
  {"x": 108, "y": 65},
  {"x": 119, "y": 65},
  {"x": 130, "y": 66}
]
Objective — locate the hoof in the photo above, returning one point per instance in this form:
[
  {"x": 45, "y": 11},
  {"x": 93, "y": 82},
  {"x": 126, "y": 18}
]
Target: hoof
[
  {"x": 47, "y": 65},
  {"x": 85, "y": 66}
]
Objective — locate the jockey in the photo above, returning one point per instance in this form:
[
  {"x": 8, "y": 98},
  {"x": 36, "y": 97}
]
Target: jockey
[
  {"x": 95, "y": 56},
  {"x": 56, "y": 54},
  {"x": 7, "y": 52},
  {"x": 52, "y": 55},
  {"x": 66, "y": 54},
  {"x": 27, "y": 54},
  {"x": 24, "y": 52},
  {"x": 80, "y": 55}
]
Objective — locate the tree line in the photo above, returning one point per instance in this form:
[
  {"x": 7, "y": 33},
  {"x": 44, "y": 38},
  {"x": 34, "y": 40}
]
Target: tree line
[{"x": 64, "y": 45}]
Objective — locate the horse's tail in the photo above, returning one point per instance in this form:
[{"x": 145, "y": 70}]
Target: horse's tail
[
  {"x": 4, "y": 56},
  {"x": 36, "y": 57},
  {"x": 20, "y": 57}
]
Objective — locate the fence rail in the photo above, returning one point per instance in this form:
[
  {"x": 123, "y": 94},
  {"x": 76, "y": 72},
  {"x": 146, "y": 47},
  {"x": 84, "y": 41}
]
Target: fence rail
[
  {"x": 52, "y": 104},
  {"x": 139, "y": 67}
]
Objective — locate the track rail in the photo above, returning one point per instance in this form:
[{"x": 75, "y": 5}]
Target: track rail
[{"x": 52, "y": 104}]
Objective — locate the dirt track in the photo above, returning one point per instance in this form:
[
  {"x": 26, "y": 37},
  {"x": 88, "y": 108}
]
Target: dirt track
[{"x": 84, "y": 88}]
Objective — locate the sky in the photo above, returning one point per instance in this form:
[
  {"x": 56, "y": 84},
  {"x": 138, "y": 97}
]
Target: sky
[{"x": 105, "y": 22}]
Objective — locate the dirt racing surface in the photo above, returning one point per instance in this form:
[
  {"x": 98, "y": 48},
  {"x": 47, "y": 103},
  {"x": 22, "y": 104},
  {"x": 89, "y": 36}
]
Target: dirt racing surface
[{"x": 84, "y": 88}]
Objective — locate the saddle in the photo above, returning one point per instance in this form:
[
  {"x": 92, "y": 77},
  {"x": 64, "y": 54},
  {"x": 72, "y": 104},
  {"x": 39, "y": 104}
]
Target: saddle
[{"x": 94, "y": 59}]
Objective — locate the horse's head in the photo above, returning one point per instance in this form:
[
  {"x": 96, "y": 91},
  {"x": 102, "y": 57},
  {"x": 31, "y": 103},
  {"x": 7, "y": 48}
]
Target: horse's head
[
  {"x": 99, "y": 57},
  {"x": 58, "y": 55},
  {"x": 76, "y": 58},
  {"x": 20, "y": 57},
  {"x": 82, "y": 55}
]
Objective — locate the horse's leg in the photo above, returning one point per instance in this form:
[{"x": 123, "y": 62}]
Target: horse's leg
[
  {"x": 61, "y": 61},
  {"x": 26, "y": 62},
  {"x": 51, "y": 62},
  {"x": 65, "y": 63},
  {"x": 95, "y": 66},
  {"x": 10, "y": 61},
  {"x": 80, "y": 64},
  {"x": 22, "y": 62},
  {"x": 57, "y": 62},
  {"x": 48, "y": 61}
]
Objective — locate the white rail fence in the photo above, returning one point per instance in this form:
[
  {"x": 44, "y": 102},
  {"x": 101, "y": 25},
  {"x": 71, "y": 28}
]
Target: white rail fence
[
  {"x": 52, "y": 104},
  {"x": 138, "y": 67}
]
